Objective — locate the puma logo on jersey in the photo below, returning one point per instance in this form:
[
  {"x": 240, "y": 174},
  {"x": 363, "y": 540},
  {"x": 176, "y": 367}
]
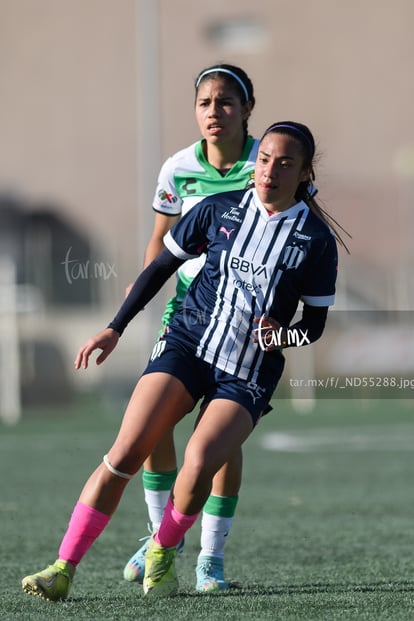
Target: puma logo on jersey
[{"x": 227, "y": 233}]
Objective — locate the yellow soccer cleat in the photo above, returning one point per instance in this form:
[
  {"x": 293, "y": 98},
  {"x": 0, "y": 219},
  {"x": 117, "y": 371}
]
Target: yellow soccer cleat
[
  {"x": 160, "y": 578},
  {"x": 53, "y": 583}
]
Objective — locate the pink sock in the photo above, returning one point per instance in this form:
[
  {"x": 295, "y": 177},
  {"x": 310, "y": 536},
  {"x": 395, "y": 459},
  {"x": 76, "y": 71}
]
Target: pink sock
[
  {"x": 86, "y": 524},
  {"x": 174, "y": 525}
]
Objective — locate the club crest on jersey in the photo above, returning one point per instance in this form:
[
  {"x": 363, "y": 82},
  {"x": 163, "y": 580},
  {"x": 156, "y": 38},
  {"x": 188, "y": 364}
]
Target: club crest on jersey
[
  {"x": 250, "y": 183},
  {"x": 293, "y": 257}
]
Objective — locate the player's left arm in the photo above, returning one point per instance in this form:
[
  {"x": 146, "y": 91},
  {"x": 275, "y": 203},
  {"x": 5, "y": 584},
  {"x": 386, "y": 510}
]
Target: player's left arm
[
  {"x": 317, "y": 295},
  {"x": 304, "y": 332}
]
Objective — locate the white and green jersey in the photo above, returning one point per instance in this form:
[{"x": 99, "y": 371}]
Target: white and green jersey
[{"x": 184, "y": 180}]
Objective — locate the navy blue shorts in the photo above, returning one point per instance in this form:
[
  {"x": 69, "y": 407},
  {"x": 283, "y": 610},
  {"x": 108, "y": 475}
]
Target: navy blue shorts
[{"x": 202, "y": 379}]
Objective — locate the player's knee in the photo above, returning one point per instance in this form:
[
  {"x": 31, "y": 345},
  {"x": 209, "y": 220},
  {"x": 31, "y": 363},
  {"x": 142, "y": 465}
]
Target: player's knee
[{"x": 199, "y": 467}]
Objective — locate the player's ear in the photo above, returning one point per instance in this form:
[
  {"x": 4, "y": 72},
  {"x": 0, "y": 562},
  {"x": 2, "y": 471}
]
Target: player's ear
[
  {"x": 246, "y": 110},
  {"x": 306, "y": 174}
]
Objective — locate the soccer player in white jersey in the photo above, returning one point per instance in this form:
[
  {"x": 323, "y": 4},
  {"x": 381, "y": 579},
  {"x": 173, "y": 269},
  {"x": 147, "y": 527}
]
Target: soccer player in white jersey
[
  {"x": 225, "y": 346},
  {"x": 222, "y": 160}
]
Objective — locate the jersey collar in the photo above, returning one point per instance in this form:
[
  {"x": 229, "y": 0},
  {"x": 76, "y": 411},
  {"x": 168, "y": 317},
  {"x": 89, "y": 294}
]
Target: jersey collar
[{"x": 292, "y": 212}]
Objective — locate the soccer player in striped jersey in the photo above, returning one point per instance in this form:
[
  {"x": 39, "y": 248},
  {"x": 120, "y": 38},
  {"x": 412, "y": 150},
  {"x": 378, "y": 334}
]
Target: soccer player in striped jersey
[
  {"x": 225, "y": 345},
  {"x": 222, "y": 160}
]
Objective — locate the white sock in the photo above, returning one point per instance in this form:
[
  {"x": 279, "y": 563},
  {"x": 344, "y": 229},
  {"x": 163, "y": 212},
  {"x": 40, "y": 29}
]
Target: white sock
[
  {"x": 156, "y": 501},
  {"x": 214, "y": 530}
]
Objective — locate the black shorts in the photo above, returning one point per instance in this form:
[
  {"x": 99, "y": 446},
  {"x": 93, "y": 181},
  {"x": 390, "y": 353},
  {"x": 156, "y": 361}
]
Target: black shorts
[{"x": 202, "y": 379}]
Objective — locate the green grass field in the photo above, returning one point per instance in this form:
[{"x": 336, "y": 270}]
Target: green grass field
[{"x": 324, "y": 527}]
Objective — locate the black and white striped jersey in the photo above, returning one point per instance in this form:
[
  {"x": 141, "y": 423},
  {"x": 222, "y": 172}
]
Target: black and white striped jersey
[{"x": 256, "y": 264}]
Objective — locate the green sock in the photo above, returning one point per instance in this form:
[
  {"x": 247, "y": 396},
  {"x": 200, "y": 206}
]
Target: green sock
[
  {"x": 158, "y": 481},
  {"x": 216, "y": 523},
  {"x": 157, "y": 487},
  {"x": 221, "y": 506}
]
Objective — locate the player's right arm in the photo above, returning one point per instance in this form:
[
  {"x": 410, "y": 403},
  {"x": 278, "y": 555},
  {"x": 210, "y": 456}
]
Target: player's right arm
[
  {"x": 167, "y": 207},
  {"x": 166, "y": 213},
  {"x": 162, "y": 224}
]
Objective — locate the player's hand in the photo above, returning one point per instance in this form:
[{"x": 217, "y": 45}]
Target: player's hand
[
  {"x": 270, "y": 334},
  {"x": 105, "y": 340}
]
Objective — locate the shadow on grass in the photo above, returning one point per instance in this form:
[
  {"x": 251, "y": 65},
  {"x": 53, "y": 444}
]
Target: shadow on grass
[{"x": 237, "y": 589}]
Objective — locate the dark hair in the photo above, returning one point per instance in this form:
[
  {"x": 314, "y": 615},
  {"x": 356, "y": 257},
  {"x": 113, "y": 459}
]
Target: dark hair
[
  {"x": 306, "y": 190},
  {"x": 235, "y": 76}
]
